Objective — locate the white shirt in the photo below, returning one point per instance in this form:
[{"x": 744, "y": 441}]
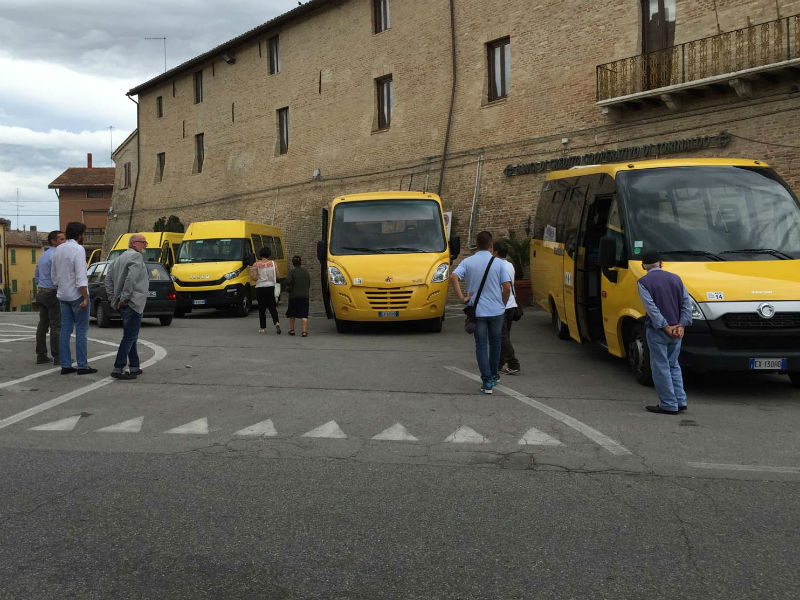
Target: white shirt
[
  {"x": 68, "y": 271},
  {"x": 512, "y": 300}
]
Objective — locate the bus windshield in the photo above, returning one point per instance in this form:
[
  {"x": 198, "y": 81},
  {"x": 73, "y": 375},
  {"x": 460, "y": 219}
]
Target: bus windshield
[
  {"x": 387, "y": 227},
  {"x": 710, "y": 213},
  {"x": 214, "y": 250},
  {"x": 150, "y": 254}
]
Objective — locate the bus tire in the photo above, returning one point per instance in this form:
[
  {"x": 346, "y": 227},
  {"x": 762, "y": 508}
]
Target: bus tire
[
  {"x": 794, "y": 377},
  {"x": 434, "y": 325},
  {"x": 559, "y": 327},
  {"x": 242, "y": 309},
  {"x": 638, "y": 355},
  {"x": 342, "y": 326}
]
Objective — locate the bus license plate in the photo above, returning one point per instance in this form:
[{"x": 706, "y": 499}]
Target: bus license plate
[
  {"x": 768, "y": 363},
  {"x": 199, "y": 302},
  {"x": 151, "y": 294},
  {"x": 389, "y": 313}
]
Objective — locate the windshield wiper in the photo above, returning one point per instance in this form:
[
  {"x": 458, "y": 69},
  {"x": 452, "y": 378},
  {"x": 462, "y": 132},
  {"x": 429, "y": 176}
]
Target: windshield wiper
[
  {"x": 693, "y": 253},
  {"x": 402, "y": 249},
  {"x": 366, "y": 250},
  {"x": 775, "y": 253}
]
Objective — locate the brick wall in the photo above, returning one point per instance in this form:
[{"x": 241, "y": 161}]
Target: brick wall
[{"x": 329, "y": 61}]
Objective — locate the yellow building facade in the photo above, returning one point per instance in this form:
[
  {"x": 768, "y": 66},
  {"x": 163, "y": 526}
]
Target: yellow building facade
[{"x": 21, "y": 256}]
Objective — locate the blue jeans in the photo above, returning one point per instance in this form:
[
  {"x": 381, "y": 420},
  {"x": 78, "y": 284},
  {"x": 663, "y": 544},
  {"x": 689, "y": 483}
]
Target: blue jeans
[
  {"x": 488, "y": 332},
  {"x": 667, "y": 376},
  {"x": 131, "y": 321},
  {"x": 71, "y": 318}
]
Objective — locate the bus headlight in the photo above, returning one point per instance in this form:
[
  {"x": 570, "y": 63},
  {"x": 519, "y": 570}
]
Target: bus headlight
[
  {"x": 232, "y": 274},
  {"x": 697, "y": 314},
  {"x": 335, "y": 275},
  {"x": 440, "y": 274}
]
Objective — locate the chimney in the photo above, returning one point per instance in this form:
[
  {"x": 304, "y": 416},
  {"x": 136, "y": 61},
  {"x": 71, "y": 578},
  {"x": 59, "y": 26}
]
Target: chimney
[
  {"x": 34, "y": 235},
  {"x": 89, "y": 160}
]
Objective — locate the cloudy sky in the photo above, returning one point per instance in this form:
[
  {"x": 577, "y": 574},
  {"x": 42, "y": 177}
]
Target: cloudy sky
[{"x": 65, "y": 69}]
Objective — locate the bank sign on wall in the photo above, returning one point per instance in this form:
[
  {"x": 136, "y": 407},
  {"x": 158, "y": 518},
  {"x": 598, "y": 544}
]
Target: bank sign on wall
[{"x": 651, "y": 151}]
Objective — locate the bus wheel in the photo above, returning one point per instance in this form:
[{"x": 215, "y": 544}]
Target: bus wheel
[
  {"x": 559, "y": 327},
  {"x": 639, "y": 355},
  {"x": 794, "y": 377},
  {"x": 245, "y": 304},
  {"x": 434, "y": 325},
  {"x": 342, "y": 326}
]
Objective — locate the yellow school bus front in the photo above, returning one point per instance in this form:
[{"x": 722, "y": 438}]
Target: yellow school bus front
[
  {"x": 388, "y": 258},
  {"x": 162, "y": 246}
]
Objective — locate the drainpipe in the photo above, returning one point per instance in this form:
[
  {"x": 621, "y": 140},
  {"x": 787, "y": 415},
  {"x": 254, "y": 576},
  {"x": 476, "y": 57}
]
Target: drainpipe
[
  {"x": 452, "y": 93},
  {"x": 138, "y": 161}
]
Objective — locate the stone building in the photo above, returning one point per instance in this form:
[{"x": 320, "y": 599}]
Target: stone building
[
  {"x": 472, "y": 99},
  {"x": 126, "y": 159}
]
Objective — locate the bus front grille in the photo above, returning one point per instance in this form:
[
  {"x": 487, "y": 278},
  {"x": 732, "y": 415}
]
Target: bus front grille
[
  {"x": 781, "y": 320},
  {"x": 388, "y": 299}
]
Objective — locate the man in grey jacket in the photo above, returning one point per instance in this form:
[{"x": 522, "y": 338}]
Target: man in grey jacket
[{"x": 126, "y": 285}]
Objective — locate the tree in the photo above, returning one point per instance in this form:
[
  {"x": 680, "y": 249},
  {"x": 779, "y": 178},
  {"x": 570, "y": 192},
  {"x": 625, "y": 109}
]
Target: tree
[
  {"x": 519, "y": 252},
  {"x": 172, "y": 223}
]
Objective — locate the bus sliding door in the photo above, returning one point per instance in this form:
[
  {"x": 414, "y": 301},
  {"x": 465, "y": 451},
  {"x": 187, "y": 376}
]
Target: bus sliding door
[{"x": 571, "y": 219}]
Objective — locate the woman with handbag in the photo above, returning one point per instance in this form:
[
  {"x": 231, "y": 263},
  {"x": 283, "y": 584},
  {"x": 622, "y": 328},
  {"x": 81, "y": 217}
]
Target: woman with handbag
[
  {"x": 509, "y": 364},
  {"x": 265, "y": 273}
]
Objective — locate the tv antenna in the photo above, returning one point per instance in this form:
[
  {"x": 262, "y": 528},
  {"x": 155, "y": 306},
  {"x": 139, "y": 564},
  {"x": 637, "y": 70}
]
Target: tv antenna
[{"x": 164, "y": 39}]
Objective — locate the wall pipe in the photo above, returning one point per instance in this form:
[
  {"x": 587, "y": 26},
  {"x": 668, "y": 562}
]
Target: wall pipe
[{"x": 452, "y": 94}]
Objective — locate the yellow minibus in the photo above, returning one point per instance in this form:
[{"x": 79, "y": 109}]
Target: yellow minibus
[
  {"x": 385, "y": 257},
  {"x": 212, "y": 265},
  {"x": 730, "y": 228},
  {"x": 162, "y": 246}
]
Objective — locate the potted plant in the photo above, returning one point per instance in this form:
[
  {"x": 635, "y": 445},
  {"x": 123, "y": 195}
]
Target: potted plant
[{"x": 519, "y": 256}]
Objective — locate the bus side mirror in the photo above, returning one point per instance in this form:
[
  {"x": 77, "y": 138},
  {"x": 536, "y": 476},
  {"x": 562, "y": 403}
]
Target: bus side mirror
[
  {"x": 249, "y": 259},
  {"x": 321, "y": 251},
  {"x": 455, "y": 247}
]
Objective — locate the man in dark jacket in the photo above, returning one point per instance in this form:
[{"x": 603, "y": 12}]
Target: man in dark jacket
[{"x": 669, "y": 311}]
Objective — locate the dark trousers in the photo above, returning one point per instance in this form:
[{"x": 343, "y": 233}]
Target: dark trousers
[
  {"x": 49, "y": 318},
  {"x": 127, "y": 353},
  {"x": 266, "y": 300},
  {"x": 507, "y": 355}
]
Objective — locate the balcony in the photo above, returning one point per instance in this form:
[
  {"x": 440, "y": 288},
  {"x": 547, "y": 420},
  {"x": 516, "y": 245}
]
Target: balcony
[{"x": 736, "y": 59}]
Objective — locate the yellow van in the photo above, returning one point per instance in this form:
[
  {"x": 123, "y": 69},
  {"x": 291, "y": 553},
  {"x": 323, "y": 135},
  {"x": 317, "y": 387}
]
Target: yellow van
[
  {"x": 162, "y": 246},
  {"x": 385, "y": 257},
  {"x": 212, "y": 266},
  {"x": 730, "y": 228}
]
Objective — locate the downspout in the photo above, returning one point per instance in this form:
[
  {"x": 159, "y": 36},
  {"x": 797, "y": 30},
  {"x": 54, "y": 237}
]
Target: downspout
[
  {"x": 452, "y": 93},
  {"x": 138, "y": 162}
]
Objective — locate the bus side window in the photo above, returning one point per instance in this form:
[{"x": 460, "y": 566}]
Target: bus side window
[
  {"x": 570, "y": 220},
  {"x": 257, "y": 243},
  {"x": 267, "y": 241},
  {"x": 276, "y": 241},
  {"x": 615, "y": 231}
]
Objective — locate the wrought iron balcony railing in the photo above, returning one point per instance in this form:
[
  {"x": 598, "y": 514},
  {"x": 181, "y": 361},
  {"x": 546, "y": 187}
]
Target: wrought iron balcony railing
[{"x": 756, "y": 46}]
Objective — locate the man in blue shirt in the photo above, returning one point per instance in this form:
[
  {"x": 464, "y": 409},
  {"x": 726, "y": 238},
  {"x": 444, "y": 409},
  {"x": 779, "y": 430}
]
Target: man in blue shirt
[
  {"x": 49, "y": 309},
  {"x": 491, "y": 308},
  {"x": 669, "y": 311}
]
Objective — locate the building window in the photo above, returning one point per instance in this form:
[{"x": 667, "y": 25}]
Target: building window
[
  {"x": 199, "y": 153},
  {"x": 198, "y": 87},
  {"x": 274, "y": 55},
  {"x": 385, "y": 89},
  {"x": 13, "y": 286},
  {"x": 94, "y": 193},
  {"x": 126, "y": 175},
  {"x": 161, "y": 160},
  {"x": 499, "y": 57},
  {"x": 159, "y": 107},
  {"x": 380, "y": 15},
  {"x": 13, "y": 256},
  {"x": 283, "y": 130},
  {"x": 33, "y": 256}
]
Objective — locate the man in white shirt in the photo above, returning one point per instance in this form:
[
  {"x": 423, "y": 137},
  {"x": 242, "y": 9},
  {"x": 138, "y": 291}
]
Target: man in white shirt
[
  {"x": 68, "y": 273},
  {"x": 509, "y": 364}
]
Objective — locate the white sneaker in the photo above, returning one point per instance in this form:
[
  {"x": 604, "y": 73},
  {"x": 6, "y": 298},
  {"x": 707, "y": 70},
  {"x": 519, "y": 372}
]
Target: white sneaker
[{"x": 509, "y": 371}]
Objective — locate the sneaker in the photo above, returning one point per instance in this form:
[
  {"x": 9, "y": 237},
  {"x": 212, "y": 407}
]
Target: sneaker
[
  {"x": 506, "y": 370},
  {"x": 262, "y": 331},
  {"x": 135, "y": 372},
  {"x": 123, "y": 375},
  {"x": 486, "y": 388},
  {"x": 278, "y": 329}
]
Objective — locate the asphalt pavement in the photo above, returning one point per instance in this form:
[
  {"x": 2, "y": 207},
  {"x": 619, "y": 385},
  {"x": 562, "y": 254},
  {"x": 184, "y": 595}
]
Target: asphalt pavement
[{"x": 367, "y": 465}]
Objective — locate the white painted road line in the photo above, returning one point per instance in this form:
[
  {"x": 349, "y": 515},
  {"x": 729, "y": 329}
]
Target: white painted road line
[
  {"x": 466, "y": 435},
  {"x": 395, "y": 433},
  {"x": 129, "y": 426},
  {"x": 48, "y": 371},
  {"x": 67, "y": 424},
  {"x": 264, "y": 428},
  {"x": 329, "y": 430},
  {"x": 158, "y": 354},
  {"x": 534, "y": 437},
  {"x": 759, "y": 468},
  {"x": 198, "y": 427},
  {"x": 599, "y": 438}
]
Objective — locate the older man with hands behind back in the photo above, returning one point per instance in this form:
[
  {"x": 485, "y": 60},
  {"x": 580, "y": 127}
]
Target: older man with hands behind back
[
  {"x": 126, "y": 284},
  {"x": 669, "y": 311}
]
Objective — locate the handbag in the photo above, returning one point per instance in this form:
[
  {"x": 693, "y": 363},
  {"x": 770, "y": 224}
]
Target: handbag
[
  {"x": 277, "y": 291},
  {"x": 471, "y": 320},
  {"x": 516, "y": 311}
]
